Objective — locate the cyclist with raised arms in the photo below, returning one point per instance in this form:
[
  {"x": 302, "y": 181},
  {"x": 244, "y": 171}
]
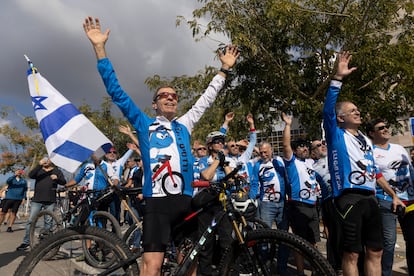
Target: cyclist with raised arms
[
  {"x": 354, "y": 176},
  {"x": 164, "y": 142}
]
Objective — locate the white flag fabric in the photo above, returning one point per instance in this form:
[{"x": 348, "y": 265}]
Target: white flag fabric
[{"x": 69, "y": 136}]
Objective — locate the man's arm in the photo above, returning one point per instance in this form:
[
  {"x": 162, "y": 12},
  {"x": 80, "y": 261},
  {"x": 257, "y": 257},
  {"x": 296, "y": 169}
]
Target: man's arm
[
  {"x": 96, "y": 36},
  {"x": 227, "y": 119},
  {"x": 194, "y": 114},
  {"x": 245, "y": 157},
  {"x": 386, "y": 187},
  {"x": 287, "y": 148}
]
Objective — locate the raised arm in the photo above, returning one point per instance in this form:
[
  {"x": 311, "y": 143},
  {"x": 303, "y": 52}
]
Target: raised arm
[
  {"x": 98, "y": 38},
  {"x": 287, "y": 148},
  {"x": 342, "y": 68},
  {"x": 227, "y": 119}
]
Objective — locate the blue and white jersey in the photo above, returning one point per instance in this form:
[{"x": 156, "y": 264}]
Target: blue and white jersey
[
  {"x": 94, "y": 178},
  {"x": 165, "y": 145},
  {"x": 118, "y": 165},
  {"x": 302, "y": 179},
  {"x": 350, "y": 158},
  {"x": 268, "y": 181},
  {"x": 205, "y": 162},
  {"x": 394, "y": 164},
  {"x": 244, "y": 158},
  {"x": 321, "y": 168}
]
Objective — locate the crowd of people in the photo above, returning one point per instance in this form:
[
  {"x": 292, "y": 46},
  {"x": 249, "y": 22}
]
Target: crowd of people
[{"x": 357, "y": 184}]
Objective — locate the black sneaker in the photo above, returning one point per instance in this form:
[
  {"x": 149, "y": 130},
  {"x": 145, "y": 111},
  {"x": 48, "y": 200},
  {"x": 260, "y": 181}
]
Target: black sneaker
[
  {"x": 9, "y": 229},
  {"x": 23, "y": 246}
]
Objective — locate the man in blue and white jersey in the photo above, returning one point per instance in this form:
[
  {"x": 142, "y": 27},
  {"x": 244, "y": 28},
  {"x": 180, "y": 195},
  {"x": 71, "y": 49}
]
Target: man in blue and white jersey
[
  {"x": 304, "y": 190},
  {"x": 165, "y": 146},
  {"x": 394, "y": 162},
  {"x": 354, "y": 176},
  {"x": 269, "y": 186}
]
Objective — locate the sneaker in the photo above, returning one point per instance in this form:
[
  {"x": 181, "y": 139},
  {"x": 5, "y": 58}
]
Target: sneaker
[
  {"x": 9, "y": 229},
  {"x": 23, "y": 246}
]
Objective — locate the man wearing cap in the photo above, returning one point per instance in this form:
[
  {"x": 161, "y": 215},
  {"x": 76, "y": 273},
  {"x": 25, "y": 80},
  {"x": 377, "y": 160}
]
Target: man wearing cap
[
  {"x": 165, "y": 146},
  {"x": 304, "y": 190},
  {"x": 15, "y": 195},
  {"x": 213, "y": 168}
]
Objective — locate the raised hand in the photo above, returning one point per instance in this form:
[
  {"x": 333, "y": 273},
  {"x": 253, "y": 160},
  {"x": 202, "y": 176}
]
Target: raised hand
[
  {"x": 342, "y": 69},
  {"x": 98, "y": 38},
  {"x": 229, "y": 58}
]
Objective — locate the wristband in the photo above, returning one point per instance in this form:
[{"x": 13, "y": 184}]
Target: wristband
[
  {"x": 336, "y": 79},
  {"x": 252, "y": 129},
  {"x": 225, "y": 71}
]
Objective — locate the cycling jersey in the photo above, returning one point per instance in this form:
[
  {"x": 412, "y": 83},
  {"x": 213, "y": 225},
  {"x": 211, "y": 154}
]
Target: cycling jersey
[
  {"x": 321, "y": 168},
  {"x": 350, "y": 158},
  {"x": 118, "y": 165},
  {"x": 302, "y": 178},
  {"x": 271, "y": 177},
  {"x": 244, "y": 158},
  {"x": 94, "y": 178},
  {"x": 394, "y": 164},
  {"x": 165, "y": 145}
]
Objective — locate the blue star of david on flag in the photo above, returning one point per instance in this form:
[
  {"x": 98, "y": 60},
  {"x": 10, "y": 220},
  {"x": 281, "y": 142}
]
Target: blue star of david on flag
[{"x": 37, "y": 102}]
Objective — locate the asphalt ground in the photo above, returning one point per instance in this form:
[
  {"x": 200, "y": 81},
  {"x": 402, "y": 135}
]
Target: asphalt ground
[{"x": 10, "y": 258}]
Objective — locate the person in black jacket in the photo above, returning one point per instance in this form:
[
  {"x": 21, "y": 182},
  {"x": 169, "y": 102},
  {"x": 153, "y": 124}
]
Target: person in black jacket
[{"x": 47, "y": 177}]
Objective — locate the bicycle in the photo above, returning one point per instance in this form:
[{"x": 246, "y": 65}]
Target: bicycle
[
  {"x": 84, "y": 212},
  {"x": 253, "y": 252}
]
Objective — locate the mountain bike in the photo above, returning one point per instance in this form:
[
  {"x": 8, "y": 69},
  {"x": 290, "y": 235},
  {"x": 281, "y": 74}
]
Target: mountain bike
[
  {"x": 84, "y": 212},
  {"x": 253, "y": 251}
]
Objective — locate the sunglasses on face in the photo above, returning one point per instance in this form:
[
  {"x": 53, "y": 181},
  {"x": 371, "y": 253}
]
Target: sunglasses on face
[
  {"x": 202, "y": 148},
  {"x": 114, "y": 152},
  {"x": 165, "y": 95},
  {"x": 218, "y": 141},
  {"x": 319, "y": 145},
  {"x": 382, "y": 127},
  {"x": 233, "y": 146}
]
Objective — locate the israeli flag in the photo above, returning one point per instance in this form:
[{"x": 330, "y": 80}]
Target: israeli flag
[{"x": 70, "y": 138}]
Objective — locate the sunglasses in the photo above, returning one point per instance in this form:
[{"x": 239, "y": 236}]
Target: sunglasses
[
  {"x": 202, "y": 148},
  {"x": 302, "y": 146},
  {"x": 165, "y": 95},
  {"x": 113, "y": 152},
  {"x": 233, "y": 146},
  {"x": 319, "y": 145},
  {"x": 382, "y": 127},
  {"x": 218, "y": 141}
]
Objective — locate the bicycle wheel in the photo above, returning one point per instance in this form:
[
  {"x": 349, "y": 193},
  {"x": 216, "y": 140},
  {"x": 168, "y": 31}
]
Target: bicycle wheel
[
  {"x": 132, "y": 238},
  {"x": 69, "y": 244},
  {"x": 45, "y": 224},
  {"x": 260, "y": 256},
  {"x": 96, "y": 254}
]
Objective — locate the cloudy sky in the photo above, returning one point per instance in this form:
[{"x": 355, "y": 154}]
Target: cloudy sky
[{"x": 144, "y": 41}]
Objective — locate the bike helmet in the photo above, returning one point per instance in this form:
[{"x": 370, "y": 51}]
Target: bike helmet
[
  {"x": 214, "y": 135},
  {"x": 247, "y": 208}
]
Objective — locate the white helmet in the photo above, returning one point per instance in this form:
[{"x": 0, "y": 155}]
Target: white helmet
[{"x": 214, "y": 135}]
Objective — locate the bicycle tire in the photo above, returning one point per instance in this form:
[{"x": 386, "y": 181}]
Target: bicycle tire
[
  {"x": 95, "y": 253},
  {"x": 38, "y": 233},
  {"x": 254, "y": 264},
  {"x": 68, "y": 241},
  {"x": 129, "y": 236}
]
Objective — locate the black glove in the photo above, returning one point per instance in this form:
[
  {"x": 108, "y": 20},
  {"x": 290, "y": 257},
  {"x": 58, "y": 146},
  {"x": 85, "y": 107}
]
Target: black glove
[{"x": 221, "y": 157}]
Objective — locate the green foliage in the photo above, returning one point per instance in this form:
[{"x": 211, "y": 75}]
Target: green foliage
[{"x": 288, "y": 52}]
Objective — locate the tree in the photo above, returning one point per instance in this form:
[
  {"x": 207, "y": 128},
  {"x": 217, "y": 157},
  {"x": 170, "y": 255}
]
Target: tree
[{"x": 288, "y": 54}]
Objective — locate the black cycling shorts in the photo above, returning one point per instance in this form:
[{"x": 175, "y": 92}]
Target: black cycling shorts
[
  {"x": 304, "y": 221},
  {"x": 12, "y": 204},
  {"x": 360, "y": 220},
  {"x": 161, "y": 215}
]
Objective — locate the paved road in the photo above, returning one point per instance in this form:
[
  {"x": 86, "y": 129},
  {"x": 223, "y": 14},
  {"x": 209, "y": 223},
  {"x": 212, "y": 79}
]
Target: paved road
[{"x": 10, "y": 258}]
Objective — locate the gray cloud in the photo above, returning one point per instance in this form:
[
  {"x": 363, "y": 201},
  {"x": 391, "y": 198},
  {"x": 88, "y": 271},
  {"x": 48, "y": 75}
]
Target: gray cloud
[{"x": 144, "y": 41}]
